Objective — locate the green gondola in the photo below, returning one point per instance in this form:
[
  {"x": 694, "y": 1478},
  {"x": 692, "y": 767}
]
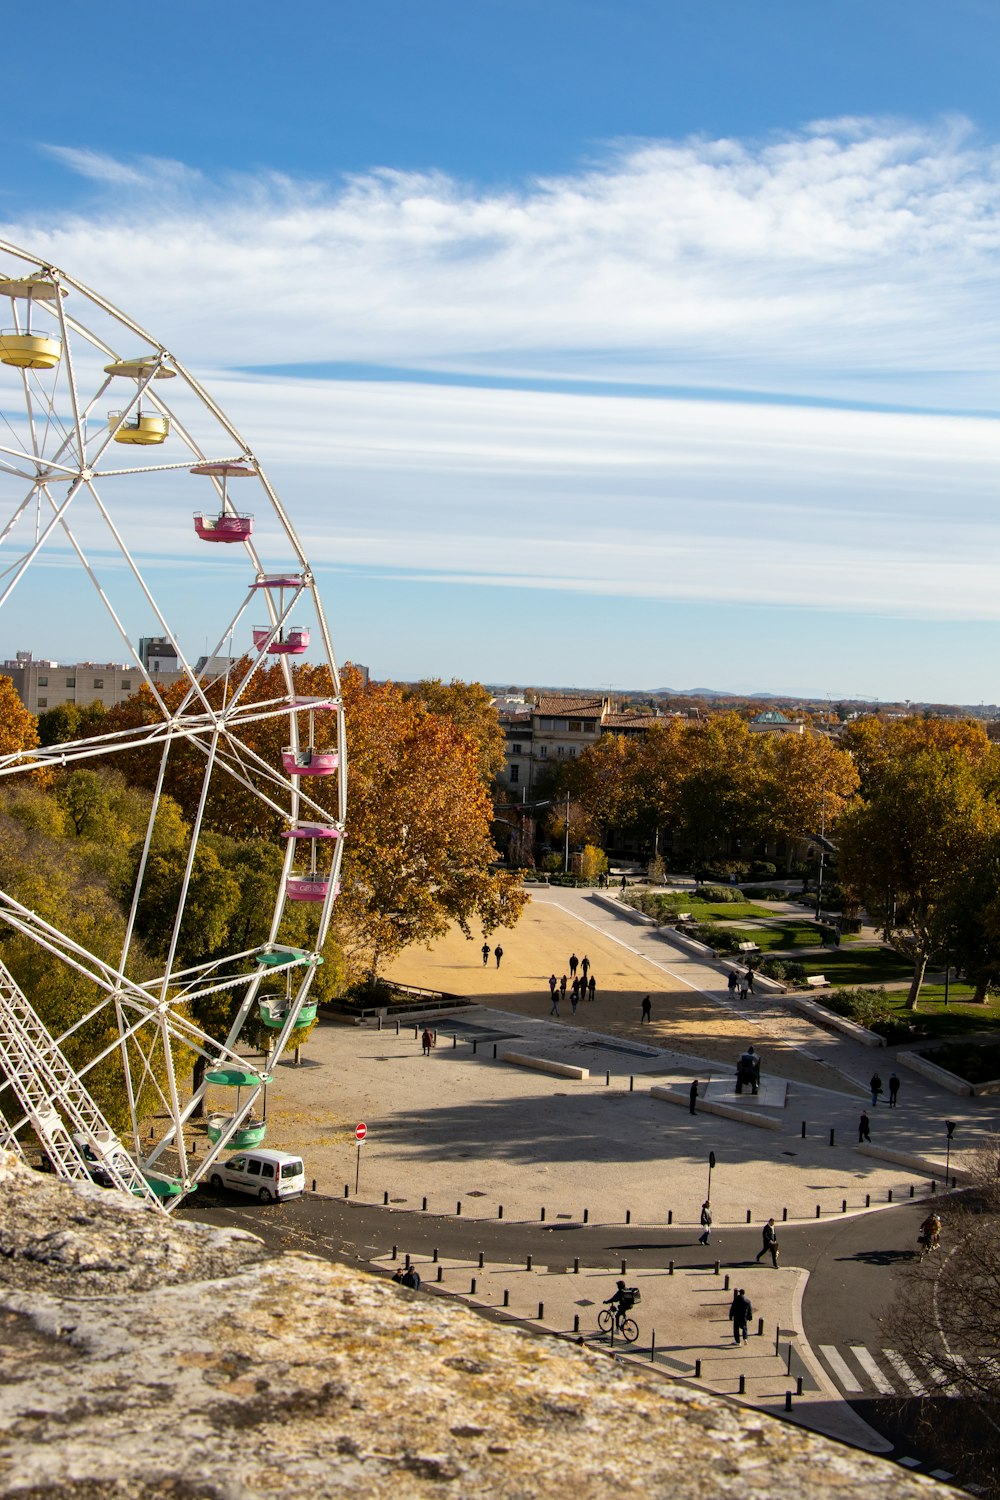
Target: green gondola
[
  {"x": 235, "y": 1078},
  {"x": 251, "y": 1132},
  {"x": 274, "y": 1008}
]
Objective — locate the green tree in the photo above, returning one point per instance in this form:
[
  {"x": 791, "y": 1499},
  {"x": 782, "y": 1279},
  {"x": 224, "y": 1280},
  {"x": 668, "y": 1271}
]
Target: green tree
[{"x": 904, "y": 852}]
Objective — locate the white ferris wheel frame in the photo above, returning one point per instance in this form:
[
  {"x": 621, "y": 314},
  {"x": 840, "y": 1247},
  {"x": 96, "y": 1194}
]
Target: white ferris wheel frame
[{"x": 53, "y": 1101}]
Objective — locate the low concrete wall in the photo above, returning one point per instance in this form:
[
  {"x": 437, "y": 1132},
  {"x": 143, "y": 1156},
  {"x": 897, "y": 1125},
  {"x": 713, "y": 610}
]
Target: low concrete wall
[
  {"x": 940, "y": 1076},
  {"x": 933, "y": 1169},
  {"x": 824, "y": 1017},
  {"x": 543, "y": 1065},
  {"x": 709, "y": 1107}
]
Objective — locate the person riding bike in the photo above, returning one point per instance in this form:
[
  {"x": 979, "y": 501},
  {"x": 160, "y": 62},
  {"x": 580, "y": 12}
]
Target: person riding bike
[
  {"x": 930, "y": 1232},
  {"x": 622, "y": 1301}
]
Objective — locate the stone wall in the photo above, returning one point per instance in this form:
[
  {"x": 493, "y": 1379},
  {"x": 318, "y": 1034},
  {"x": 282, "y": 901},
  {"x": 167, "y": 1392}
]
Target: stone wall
[{"x": 142, "y": 1358}]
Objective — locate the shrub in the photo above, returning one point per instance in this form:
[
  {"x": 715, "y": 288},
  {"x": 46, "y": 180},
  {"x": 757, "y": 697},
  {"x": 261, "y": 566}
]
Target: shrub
[
  {"x": 719, "y": 893},
  {"x": 714, "y": 936},
  {"x": 553, "y": 862},
  {"x": 782, "y": 968},
  {"x": 593, "y": 862},
  {"x": 761, "y": 868}
]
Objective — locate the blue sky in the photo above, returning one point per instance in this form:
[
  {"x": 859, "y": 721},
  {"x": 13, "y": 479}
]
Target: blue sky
[{"x": 614, "y": 345}]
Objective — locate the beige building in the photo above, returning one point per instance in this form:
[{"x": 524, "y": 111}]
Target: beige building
[
  {"x": 41, "y": 685},
  {"x": 559, "y": 727}
]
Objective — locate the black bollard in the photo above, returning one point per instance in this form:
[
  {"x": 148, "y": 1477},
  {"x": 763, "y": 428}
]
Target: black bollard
[
  {"x": 542, "y": 1216},
  {"x": 414, "y": 1033},
  {"x": 788, "y": 1400},
  {"x": 670, "y": 1216},
  {"x": 527, "y": 1263},
  {"x": 314, "y": 1184},
  {"x": 475, "y": 1047},
  {"x": 440, "y": 1274},
  {"x": 397, "y": 1028},
  {"x": 607, "y": 1079},
  {"x": 784, "y": 1216},
  {"x": 576, "y": 1265},
  {"x": 697, "y": 1369},
  {"x": 481, "y": 1259},
  {"x": 817, "y": 1210},
  {"x": 347, "y": 1190},
  {"x": 652, "y": 1346},
  {"x": 576, "y": 1322},
  {"x": 725, "y": 1284},
  {"x": 500, "y": 1211},
  {"x": 760, "y": 1328},
  {"x": 472, "y": 1287},
  {"x": 832, "y": 1137},
  {"x": 628, "y": 1216},
  {"x": 586, "y": 1215},
  {"x": 843, "y": 1205},
  {"x": 717, "y": 1265},
  {"x": 541, "y": 1311},
  {"x": 423, "y": 1205},
  {"x": 933, "y": 1187},
  {"x": 912, "y": 1189},
  {"x": 406, "y": 1261},
  {"x": 385, "y": 1200},
  {"x": 454, "y": 1042},
  {"x": 743, "y": 1385},
  {"x": 749, "y": 1217},
  {"x": 434, "y": 1256},
  {"x": 380, "y": 1023},
  {"x": 868, "y": 1200},
  {"x": 395, "y": 1252},
  {"x": 631, "y": 1082},
  {"x": 803, "y": 1129},
  {"x": 798, "y": 1386},
  {"x": 890, "y": 1196},
  {"x": 458, "y": 1209},
  {"x": 494, "y": 1050},
  {"x": 670, "y": 1268},
  {"x": 624, "y": 1267},
  {"x": 506, "y": 1297}
]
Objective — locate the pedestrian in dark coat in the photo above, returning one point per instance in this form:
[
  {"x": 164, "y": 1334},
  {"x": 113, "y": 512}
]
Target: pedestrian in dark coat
[
  {"x": 706, "y": 1223},
  {"x": 740, "y": 1312},
  {"x": 553, "y": 981},
  {"x": 591, "y": 986},
  {"x": 425, "y": 1042},
  {"x": 574, "y": 963},
  {"x": 864, "y": 1127},
  {"x": 647, "y": 1010},
  {"x": 750, "y": 980},
  {"x": 876, "y": 1088},
  {"x": 562, "y": 988},
  {"x": 770, "y": 1245},
  {"x": 574, "y": 998},
  {"x": 893, "y": 1090},
  {"x": 694, "y": 1097},
  {"x": 732, "y": 980},
  {"x": 584, "y": 967},
  {"x": 486, "y": 954},
  {"x": 498, "y": 954}
]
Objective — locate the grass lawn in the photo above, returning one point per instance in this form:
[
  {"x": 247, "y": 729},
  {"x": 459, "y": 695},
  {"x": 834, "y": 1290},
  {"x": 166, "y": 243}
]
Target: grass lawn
[
  {"x": 957, "y": 1019},
  {"x": 859, "y": 966},
  {"x": 781, "y": 935},
  {"x": 708, "y": 911}
]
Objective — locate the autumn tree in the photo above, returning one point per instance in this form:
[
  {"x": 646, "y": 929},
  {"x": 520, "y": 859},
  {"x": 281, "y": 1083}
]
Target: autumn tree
[
  {"x": 418, "y": 854},
  {"x": 471, "y": 709},
  {"x": 18, "y": 727},
  {"x": 905, "y": 850},
  {"x": 876, "y": 745}
]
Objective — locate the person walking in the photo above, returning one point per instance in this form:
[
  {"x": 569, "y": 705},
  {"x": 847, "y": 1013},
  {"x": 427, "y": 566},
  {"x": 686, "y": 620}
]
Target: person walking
[
  {"x": 647, "y": 1010},
  {"x": 485, "y": 950},
  {"x": 770, "y": 1244},
  {"x": 591, "y": 987},
  {"x": 584, "y": 967},
  {"x": 553, "y": 981},
  {"x": 740, "y": 1313},
  {"x": 498, "y": 954},
  {"x": 557, "y": 995},
  {"x": 574, "y": 964},
  {"x": 732, "y": 981},
  {"x": 562, "y": 988},
  {"x": 744, "y": 989},
  {"x": 575, "y": 996},
  {"x": 693, "y": 1096},
  {"x": 425, "y": 1042},
  {"x": 893, "y": 1090},
  {"x": 706, "y": 1223},
  {"x": 864, "y": 1128},
  {"x": 876, "y": 1087},
  {"x": 624, "y": 883},
  {"x": 750, "y": 979}
]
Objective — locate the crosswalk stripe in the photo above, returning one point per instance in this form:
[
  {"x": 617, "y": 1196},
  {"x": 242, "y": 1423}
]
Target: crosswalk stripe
[
  {"x": 843, "y": 1371},
  {"x": 902, "y": 1368},
  {"x": 872, "y": 1370}
]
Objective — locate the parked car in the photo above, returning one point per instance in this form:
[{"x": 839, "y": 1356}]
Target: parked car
[
  {"x": 108, "y": 1149},
  {"x": 267, "y": 1174}
]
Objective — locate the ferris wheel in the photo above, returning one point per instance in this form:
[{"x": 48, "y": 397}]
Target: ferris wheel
[{"x": 113, "y": 459}]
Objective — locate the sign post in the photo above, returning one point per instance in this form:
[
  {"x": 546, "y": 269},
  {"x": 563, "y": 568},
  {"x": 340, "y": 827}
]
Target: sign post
[
  {"x": 711, "y": 1164},
  {"x": 360, "y": 1133}
]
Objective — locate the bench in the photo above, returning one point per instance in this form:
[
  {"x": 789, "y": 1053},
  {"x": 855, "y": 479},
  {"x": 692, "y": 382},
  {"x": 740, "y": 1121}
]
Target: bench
[
  {"x": 816, "y": 980},
  {"x": 683, "y": 916},
  {"x": 748, "y": 947}
]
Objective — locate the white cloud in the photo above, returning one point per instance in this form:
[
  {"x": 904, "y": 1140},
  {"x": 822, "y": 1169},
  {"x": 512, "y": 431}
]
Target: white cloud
[{"x": 857, "y": 259}]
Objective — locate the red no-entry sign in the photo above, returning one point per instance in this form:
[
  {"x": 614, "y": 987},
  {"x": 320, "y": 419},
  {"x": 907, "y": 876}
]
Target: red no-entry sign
[{"x": 360, "y": 1131}]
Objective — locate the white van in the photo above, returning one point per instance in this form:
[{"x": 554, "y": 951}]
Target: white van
[
  {"x": 266, "y": 1174},
  {"x": 108, "y": 1149}
]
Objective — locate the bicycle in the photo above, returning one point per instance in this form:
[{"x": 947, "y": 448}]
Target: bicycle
[{"x": 610, "y": 1320}]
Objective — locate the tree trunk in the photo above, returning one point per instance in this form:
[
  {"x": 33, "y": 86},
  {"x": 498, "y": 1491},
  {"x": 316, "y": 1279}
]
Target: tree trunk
[
  {"x": 197, "y": 1077},
  {"x": 981, "y": 997},
  {"x": 919, "y": 965}
]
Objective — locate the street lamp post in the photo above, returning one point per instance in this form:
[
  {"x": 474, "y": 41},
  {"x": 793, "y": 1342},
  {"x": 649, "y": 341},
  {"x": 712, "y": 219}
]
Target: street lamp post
[
  {"x": 949, "y": 1126},
  {"x": 711, "y": 1164},
  {"x": 566, "y": 854}
]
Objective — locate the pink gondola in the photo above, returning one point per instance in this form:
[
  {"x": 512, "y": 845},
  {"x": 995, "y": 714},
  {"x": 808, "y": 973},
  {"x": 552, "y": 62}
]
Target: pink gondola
[
  {"x": 309, "y": 762},
  {"x": 278, "y": 581},
  {"x": 286, "y": 643},
  {"x": 230, "y": 526},
  {"x": 309, "y": 887},
  {"x": 312, "y": 831}
]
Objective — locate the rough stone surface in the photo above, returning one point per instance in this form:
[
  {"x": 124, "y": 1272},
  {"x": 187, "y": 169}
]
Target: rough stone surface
[{"x": 142, "y": 1358}]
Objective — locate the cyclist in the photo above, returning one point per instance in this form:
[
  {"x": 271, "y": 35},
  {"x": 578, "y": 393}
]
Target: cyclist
[
  {"x": 622, "y": 1301},
  {"x": 930, "y": 1233}
]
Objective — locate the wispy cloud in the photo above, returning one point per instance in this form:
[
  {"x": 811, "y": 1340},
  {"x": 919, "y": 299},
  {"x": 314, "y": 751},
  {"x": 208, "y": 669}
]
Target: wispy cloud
[{"x": 854, "y": 258}]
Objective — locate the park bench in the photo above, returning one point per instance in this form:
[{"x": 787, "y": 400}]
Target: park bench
[
  {"x": 683, "y": 916},
  {"x": 816, "y": 980},
  {"x": 748, "y": 947}
]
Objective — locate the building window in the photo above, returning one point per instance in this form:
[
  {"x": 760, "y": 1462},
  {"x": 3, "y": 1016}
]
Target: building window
[
  {"x": 577, "y": 726},
  {"x": 515, "y": 773},
  {"x": 126, "y": 685},
  {"x": 43, "y": 703},
  {"x": 71, "y": 682},
  {"x": 98, "y": 682},
  {"x": 559, "y": 749},
  {"x": 43, "y": 682},
  {"x": 571, "y": 750},
  {"x": 515, "y": 749},
  {"x": 543, "y": 751},
  {"x": 545, "y": 723}
]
